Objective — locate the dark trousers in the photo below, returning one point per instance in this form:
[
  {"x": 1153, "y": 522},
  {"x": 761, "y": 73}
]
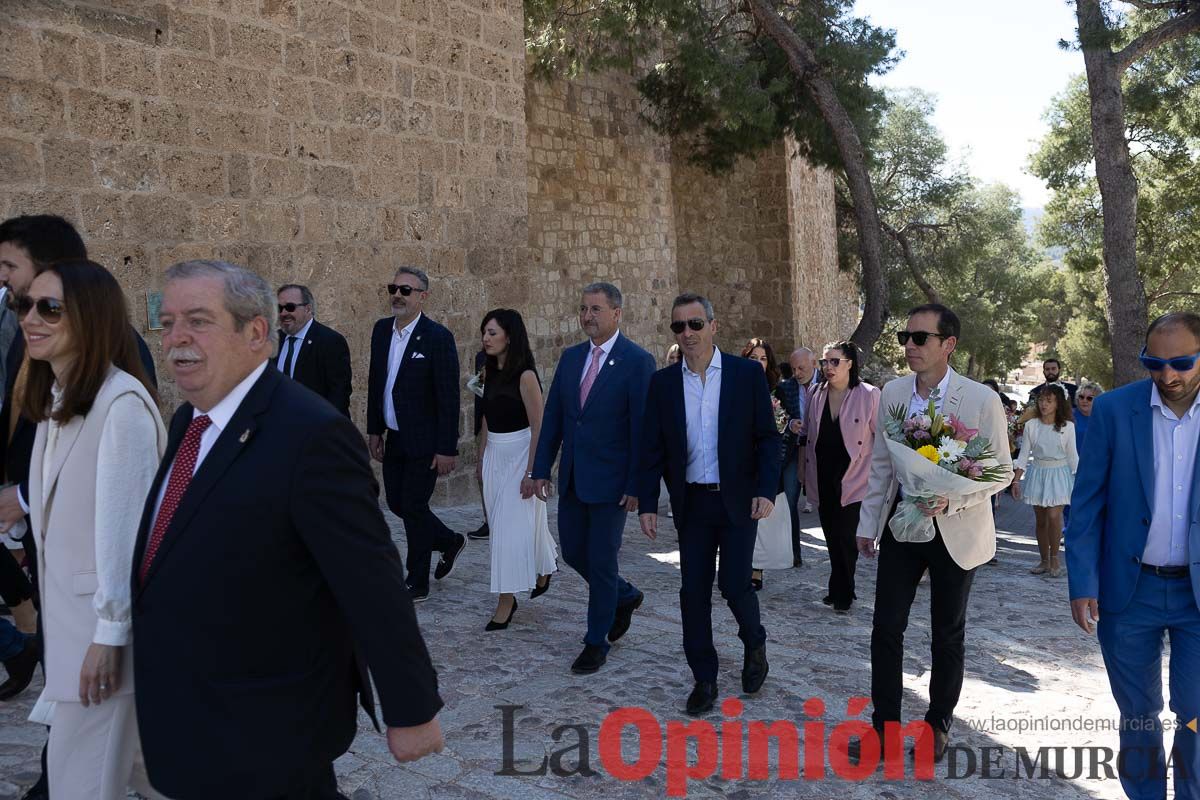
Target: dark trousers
[
  {"x": 322, "y": 786},
  {"x": 791, "y": 487},
  {"x": 901, "y": 565},
  {"x": 14, "y": 583},
  {"x": 590, "y": 535},
  {"x": 840, "y": 525},
  {"x": 408, "y": 482},
  {"x": 705, "y": 532}
]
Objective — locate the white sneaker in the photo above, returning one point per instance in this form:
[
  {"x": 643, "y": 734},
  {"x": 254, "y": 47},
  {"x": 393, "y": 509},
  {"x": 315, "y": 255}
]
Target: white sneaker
[{"x": 808, "y": 509}]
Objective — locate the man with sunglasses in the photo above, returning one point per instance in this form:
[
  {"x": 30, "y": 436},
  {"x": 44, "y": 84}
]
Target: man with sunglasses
[
  {"x": 1133, "y": 553},
  {"x": 412, "y": 422},
  {"x": 964, "y": 533},
  {"x": 710, "y": 431},
  {"x": 312, "y": 354},
  {"x": 594, "y": 413}
]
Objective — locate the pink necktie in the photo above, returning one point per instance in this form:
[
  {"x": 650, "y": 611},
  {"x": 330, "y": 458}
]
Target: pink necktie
[{"x": 590, "y": 378}]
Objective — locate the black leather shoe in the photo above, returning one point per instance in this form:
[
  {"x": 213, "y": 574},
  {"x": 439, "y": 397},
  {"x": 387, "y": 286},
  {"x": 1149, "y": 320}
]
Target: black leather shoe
[
  {"x": 757, "y": 583},
  {"x": 623, "y": 617},
  {"x": 499, "y": 626},
  {"x": 702, "y": 698},
  {"x": 827, "y": 599},
  {"x": 20, "y": 670},
  {"x": 482, "y": 532},
  {"x": 591, "y": 659},
  {"x": 446, "y": 563},
  {"x": 538, "y": 591},
  {"x": 941, "y": 740},
  {"x": 418, "y": 595},
  {"x": 754, "y": 670}
]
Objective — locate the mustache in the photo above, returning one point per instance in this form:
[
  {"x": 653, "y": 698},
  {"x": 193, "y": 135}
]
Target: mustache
[{"x": 182, "y": 354}]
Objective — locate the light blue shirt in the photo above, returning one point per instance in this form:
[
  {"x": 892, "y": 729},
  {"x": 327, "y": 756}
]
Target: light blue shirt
[
  {"x": 1174, "y": 462},
  {"x": 702, "y": 404}
]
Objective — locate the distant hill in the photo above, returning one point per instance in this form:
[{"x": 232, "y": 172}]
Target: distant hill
[{"x": 1031, "y": 217}]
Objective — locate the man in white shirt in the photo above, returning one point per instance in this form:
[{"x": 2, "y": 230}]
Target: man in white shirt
[{"x": 1133, "y": 553}]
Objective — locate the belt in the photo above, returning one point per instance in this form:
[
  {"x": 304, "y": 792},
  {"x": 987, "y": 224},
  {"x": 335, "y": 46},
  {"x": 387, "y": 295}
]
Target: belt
[
  {"x": 1167, "y": 572},
  {"x": 1049, "y": 463},
  {"x": 706, "y": 487}
]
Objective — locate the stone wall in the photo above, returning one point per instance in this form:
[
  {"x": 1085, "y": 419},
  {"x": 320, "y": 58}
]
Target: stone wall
[{"x": 316, "y": 141}]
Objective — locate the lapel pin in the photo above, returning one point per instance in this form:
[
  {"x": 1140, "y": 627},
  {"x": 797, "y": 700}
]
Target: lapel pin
[
  {"x": 245, "y": 435},
  {"x": 611, "y": 362}
]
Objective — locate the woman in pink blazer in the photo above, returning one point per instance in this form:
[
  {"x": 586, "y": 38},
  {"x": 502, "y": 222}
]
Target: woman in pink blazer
[{"x": 840, "y": 423}]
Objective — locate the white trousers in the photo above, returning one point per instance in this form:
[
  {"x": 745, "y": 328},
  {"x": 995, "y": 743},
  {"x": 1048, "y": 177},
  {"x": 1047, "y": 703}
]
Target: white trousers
[{"x": 95, "y": 752}]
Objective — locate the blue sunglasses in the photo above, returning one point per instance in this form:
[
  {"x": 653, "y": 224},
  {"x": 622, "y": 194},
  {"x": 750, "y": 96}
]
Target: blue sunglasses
[{"x": 1180, "y": 364}]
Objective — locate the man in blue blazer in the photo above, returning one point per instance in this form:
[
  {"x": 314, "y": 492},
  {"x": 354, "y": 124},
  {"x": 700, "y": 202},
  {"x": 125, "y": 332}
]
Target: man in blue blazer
[
  {"x": 594, "y": 413},
  {"x": 710, "y": 431},
  {"x": 1133, "y": 553},
  {"x": 413, "y": 398}
]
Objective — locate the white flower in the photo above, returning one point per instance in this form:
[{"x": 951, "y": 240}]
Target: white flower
[
  {"x": 950, "y": 450},
  {"x": 924, "y": 422}
]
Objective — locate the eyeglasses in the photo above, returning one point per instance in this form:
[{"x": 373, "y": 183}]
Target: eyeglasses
[
  {"x": 833, "y": 362},
  {"x": 919, "y": 337},
  {"x": 1179, "y": 364},
  {"x": 1084, "y": 398},
  {"x": 695, "y": 324},
  {"x": 290, "y": 307},
  {"x": 404, "y": 290},
  {"x": 49, "y": 309}
]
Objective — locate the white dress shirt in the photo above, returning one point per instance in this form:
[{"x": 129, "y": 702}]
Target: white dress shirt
[
  {"x": 1174, "y": 463},
  {"x": 396, "y": 351},
  {"x": 918, "y": 404},
  {"x": 702, "y": 405},
  {"x": 299, "y": 337},
  {"x": 219, "y": 415},
  {"x": 606, "y": 347}
]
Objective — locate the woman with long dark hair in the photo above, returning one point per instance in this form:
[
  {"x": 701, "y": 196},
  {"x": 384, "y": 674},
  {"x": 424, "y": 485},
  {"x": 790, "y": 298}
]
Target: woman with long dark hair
[
  {"x": 841, "y": 419},
  {"x": 1047, "y": 463},
  {"x": 773, "y": 545},
  {"x": 523, "y": 552},
  {"x": 98, "y": 444}
]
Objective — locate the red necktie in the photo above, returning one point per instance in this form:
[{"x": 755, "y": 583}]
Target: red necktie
[{"x": 181, "y": 476}]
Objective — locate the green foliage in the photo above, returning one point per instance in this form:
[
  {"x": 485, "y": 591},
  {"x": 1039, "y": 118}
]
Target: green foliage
[{"x": 710, "y": 76}]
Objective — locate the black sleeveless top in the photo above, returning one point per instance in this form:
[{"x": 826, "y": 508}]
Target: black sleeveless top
[
  {"x": 503, "y": 407},
  {"x": 832, "y": 459}
]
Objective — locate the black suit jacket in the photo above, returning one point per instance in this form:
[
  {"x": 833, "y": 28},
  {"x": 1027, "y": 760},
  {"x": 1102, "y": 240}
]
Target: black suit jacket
[
  {"x": 748, "y": 444},
  {"x": 426, "y": 394},
  {"x": 323, "y": 365},
  {"x": 276, "y": 569}
]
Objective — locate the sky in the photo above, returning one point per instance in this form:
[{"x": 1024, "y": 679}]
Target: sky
[{"x": 993, "y": 68}]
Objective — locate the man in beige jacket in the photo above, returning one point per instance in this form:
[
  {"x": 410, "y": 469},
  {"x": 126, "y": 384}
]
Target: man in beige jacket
[{"x": 965, "y": 532}]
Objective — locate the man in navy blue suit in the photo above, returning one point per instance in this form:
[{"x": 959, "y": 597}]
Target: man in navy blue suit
[
  {"x": 413, "y": 397},
  {"x": 1133, "y": 553},
  {"x": 710, "y": 431},
  {"x": 594, "y": 412}
]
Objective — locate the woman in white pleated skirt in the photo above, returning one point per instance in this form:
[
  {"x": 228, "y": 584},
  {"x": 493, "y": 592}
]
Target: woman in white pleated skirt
[
  {"x": 523, "y": 552},
  {"x": 1047, "y": 463}
]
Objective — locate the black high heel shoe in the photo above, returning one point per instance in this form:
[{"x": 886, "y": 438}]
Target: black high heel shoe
[
  {"x": 499, "y": 626},
  {"x": 540, "y": 590},
  {"x": 757, "y": 583}
]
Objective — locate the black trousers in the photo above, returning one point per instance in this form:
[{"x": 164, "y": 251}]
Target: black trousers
[
  {"x": 706, "y": 530},
  {"x": 901, "y": 565},
  {"x": 840, "y": 525},
  {"x": 15, "y": 587},
  {"x": 408, "y": 483}
]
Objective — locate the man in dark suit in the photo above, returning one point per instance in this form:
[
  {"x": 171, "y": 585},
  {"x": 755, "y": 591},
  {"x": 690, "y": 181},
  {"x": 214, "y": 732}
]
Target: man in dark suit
[
  {"x": 594, "y": 412},
  {"x": 266, "y": 492},
  {"x": 710, "y": 431},
  {"x": 313, "y": 354},
  {"x": 413, "y": 397}
]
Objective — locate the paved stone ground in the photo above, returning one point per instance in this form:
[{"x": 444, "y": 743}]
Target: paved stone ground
[{"x": 1026, "y": 664}]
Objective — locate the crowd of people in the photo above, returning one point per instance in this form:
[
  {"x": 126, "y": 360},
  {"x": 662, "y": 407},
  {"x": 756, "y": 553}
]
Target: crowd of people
[{"x": 261, "y": 484}]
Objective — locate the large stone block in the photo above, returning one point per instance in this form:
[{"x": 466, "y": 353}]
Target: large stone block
[
  {"x": 31, "y": 105},
  {"x": 19, "y": 162}
]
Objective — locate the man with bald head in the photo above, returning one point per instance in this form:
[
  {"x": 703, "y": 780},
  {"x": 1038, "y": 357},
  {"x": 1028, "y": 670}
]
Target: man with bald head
[{"x": 794, "y": 395}]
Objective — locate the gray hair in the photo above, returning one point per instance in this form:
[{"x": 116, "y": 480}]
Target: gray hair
[
  {"x": 608, "y": 290},
  {"x": 1090, "y": 386},
  {"x": 247, "y": 295},
  {"x": 687, "y": 298},
  {"x": 416, "y": 273},
  {"x": 306, "y": 296}
]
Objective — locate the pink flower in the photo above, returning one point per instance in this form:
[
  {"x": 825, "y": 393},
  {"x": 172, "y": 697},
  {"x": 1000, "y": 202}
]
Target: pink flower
[
  {"x": 921, "y": 435},
  {"x": 969, "y": 468},
  {"x": 961, "y": 432}
]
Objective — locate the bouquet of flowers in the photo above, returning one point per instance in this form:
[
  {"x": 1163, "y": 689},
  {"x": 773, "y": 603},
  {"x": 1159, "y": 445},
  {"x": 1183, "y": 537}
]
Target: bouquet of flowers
[
  {"x": 934, "y": 456},
  {"x": 475, "y": 383},
  {"x": 781, "y": 415}
]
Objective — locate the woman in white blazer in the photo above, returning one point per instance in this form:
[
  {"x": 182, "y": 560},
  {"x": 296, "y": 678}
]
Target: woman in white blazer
[{"x": 99, "y": 441}]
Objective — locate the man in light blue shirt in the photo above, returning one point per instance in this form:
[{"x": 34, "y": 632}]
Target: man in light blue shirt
[{"x": 1133, "y": 553}]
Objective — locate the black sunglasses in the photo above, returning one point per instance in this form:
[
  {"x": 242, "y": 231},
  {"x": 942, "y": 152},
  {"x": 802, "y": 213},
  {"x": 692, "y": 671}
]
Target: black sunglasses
[
  {"x": 290, "y": 307},
  {"x": 404, "y": 290},
  {"x": 833, "y": 362},
  {"x": 1179, "y": 363},
  {"x": 49, "y": 309},
  {"x": 695, "y": 324},
  {"x": 919, "y": 337}
]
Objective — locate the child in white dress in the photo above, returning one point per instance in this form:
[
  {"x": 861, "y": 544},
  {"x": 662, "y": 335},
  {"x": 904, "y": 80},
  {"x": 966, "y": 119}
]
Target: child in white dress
[{"x": 1047, "y": 462}]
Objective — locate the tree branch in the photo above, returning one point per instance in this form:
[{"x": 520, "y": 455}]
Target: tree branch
[
  {"x": 1170, "y": 30},
  {"x": 1158, "y": 297},
  {"x": 910, "y": 260},
  {"x": 1151, "y": 5}
]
